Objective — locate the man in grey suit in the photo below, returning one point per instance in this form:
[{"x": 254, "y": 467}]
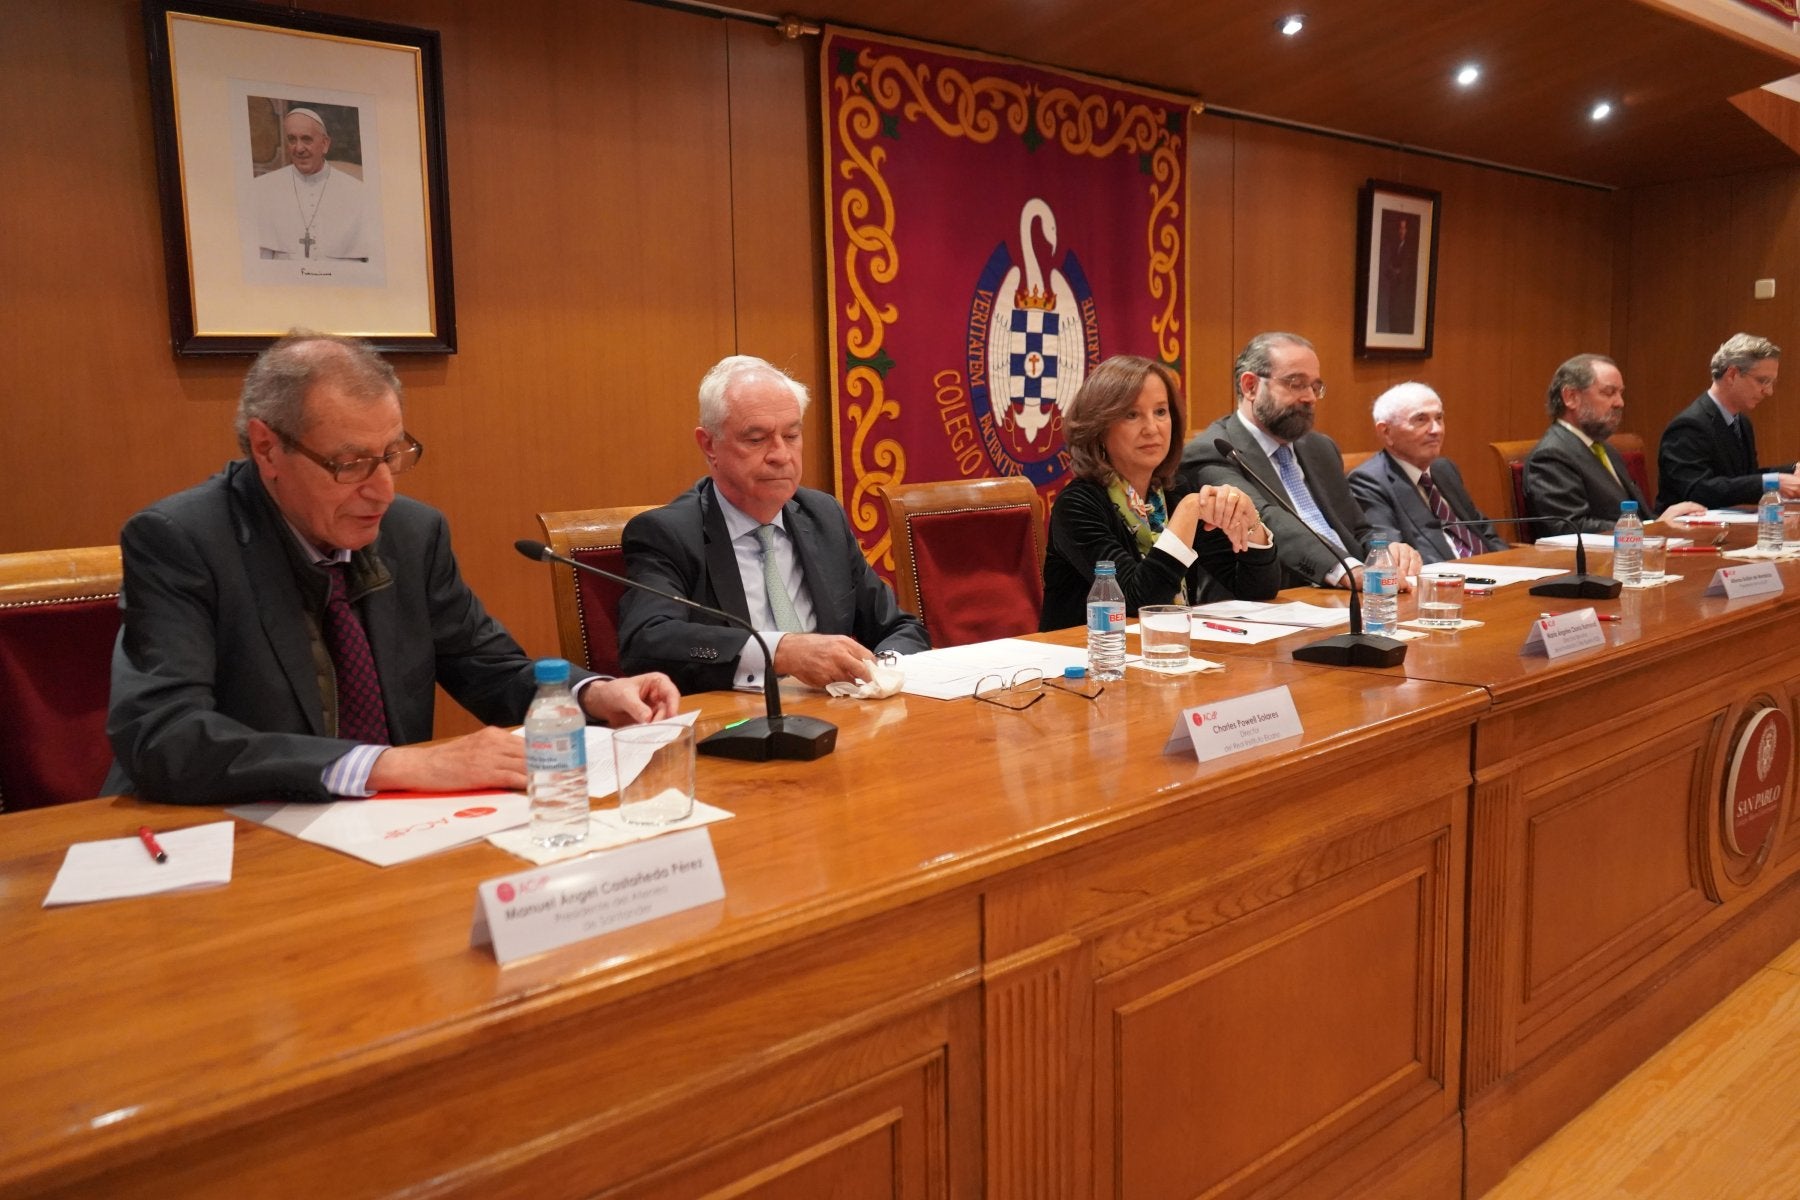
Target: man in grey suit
[
  {"x": 1410, "y": 490},
  {"x": 1572, "y": 474},
  {"x": 1276, "y": 384},
  {"x": 751, "y": 541},
  {"x": 285, "y": 622},
  {"x": 1708, "y": 452}
]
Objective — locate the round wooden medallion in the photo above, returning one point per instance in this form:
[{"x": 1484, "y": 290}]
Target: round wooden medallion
[{"x": 1756, "y": 780}]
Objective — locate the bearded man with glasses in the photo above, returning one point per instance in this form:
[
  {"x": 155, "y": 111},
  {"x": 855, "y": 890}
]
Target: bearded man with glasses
[
  {"x": 1276, "y": 384},
  {"x": 285, "y": 622}
]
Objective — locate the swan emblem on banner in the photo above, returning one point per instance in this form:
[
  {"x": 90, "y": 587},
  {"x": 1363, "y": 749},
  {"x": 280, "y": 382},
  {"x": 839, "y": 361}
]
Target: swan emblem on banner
[{"x": 1027, "y": 358}]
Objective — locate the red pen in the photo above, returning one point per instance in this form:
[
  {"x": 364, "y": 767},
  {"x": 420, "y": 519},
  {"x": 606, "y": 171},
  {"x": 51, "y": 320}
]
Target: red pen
[
  {"x": 1226, "y": 628},
  {"x": 149, "y": 840},
  {"x": 1597, "y": 616},
  {"x": 1693, "y": 550}
]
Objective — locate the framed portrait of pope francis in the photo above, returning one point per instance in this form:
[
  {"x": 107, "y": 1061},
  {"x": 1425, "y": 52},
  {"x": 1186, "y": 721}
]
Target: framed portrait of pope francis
[{"x": 301, "y": 165}]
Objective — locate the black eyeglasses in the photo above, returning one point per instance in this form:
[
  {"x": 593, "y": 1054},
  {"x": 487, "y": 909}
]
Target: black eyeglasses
[
  {"x": 357, "y": 470},
  {"x": 1298, "y": 383}
]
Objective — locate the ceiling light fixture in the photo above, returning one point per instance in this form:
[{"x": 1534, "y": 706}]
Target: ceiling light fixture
[
  {"x": 1468, "y": 75},
  {"x": 1291, "y": 25},
  {"x": 1601, "y": 111}
]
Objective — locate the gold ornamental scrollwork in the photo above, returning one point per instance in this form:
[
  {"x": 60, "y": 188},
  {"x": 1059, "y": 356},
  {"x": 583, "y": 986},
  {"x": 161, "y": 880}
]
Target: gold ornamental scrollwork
[{"x": 884, "y": 86}]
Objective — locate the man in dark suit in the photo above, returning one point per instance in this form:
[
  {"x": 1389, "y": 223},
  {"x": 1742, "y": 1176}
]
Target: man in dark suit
[
  {"x": 1409, "y": 490},
  {"x": 285, "y": 622},
  {"x": 751, "y": 541},
  {"x": 1572, "y": 473},
  {"x": 1276, "y": 383},
  {"x": 1708, "y": 452}
]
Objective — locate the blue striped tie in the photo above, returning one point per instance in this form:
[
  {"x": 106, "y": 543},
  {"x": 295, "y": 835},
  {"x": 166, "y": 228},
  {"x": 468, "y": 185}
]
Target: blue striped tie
[{"x": 1295, "y": 483}]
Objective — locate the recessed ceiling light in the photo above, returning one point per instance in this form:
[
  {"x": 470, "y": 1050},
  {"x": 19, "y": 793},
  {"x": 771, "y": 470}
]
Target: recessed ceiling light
[
  {"x": 1291, "y": 25},
  {"x": 1468, "y": 75},
  {"x": 1601, "y": 111}
]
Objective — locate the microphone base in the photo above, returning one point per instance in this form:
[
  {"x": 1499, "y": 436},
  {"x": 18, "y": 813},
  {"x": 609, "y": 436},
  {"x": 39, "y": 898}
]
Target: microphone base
[
  {"x": 766, "y": 739},
  {"x": 1353, "y": 650},
  {"x": 1579, "y": 587}
]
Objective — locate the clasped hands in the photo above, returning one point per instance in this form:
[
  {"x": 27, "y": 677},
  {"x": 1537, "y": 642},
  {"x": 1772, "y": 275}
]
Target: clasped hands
[{"x": 1221, "y": 507}]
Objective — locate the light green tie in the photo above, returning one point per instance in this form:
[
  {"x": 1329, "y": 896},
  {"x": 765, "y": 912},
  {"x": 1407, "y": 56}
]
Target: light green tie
[
  {"x": 780, "y": 603},
  {"x": 1600, "y": 453}
]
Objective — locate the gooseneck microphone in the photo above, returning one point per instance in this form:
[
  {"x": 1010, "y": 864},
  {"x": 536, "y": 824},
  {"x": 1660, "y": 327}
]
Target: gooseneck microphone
[
  {"x": 1353, "y": 649},
  {"x": 1576, "y": 586},
  {"x": 771, "y": 736}
]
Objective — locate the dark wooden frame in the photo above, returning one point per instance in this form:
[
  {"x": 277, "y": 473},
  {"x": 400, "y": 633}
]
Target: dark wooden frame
[
  {"x": 437, "y": 290},
  {"x": 1377, "y": 197}
]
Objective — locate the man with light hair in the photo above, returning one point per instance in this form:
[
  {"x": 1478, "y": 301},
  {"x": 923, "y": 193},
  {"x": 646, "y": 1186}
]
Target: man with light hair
[
  {"x": 1572, "y": 474},
  {"x": 1708, "y": 452},
  {"x": 1410, "y": 491},
  {"x": 308, "y": 209},
  {"x": 750, "y": 540}
]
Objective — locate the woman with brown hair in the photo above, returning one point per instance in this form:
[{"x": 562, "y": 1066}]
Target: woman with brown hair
[{"x": 1170, "y": 545}]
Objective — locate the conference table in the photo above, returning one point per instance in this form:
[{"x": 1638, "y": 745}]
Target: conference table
[{"x": 974, "y": 952}]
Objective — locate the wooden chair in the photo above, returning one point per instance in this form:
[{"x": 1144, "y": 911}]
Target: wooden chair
[
  {"x": 59, "y": 617},
  {"x": 969, "y": 556},
  {"x": 1512, "y": 468},
  {"x": 1356, "y": 458},
  {"x": 587, "y": 606}
]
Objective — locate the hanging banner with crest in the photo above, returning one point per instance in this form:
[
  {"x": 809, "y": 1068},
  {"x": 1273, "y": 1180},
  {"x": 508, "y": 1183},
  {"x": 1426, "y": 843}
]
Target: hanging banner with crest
[{"x": 995, "y": 230}]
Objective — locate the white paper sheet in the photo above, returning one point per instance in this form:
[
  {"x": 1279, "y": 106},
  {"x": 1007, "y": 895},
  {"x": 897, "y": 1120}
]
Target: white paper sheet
[
  {"x": 605, "y": 831},
  {"x": 951, "y": 673},
  {"x": 1294, "y": 613},
  {"x": 199, "y": 856},
  {"x": 396, "y": 827},
  {"x": 1594, "y": 541},
  {"x": 1251, "y": 634}
]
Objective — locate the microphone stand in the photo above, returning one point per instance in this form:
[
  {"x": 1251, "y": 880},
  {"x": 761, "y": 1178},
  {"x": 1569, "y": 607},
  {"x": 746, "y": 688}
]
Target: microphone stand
[
  {"x": 1578, "y": 585},
  {"x": 760, "y": 739},
  {"x": 1353, "y": 649}
]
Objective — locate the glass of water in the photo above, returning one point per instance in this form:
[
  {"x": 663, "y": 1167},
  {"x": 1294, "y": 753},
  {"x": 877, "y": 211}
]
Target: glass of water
[
  {"x": 1441, "y": 601},
  {"x": 1163, "y": 636}
]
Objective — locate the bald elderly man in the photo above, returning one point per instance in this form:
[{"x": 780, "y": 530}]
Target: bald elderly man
[{"x": 309, "y": 209}]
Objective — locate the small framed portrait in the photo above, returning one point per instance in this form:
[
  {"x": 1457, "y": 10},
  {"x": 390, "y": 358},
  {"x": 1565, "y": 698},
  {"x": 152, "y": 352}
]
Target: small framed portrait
[
  {"x": 1396, "y": 270},
  {"x": 300, "y": 159}
]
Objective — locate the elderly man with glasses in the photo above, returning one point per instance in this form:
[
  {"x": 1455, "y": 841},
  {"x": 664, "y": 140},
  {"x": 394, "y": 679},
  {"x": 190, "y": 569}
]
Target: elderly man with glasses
[
  {"x": 1276, "y": 384},
  {"x": 1708, "y": 452},
  {"x": 285, "y": 622}
]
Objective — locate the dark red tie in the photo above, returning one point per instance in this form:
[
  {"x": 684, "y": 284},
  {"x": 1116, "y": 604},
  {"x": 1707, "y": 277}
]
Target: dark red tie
[
  {"x": 1461, "y": 536},
  {"x": 362, "y": 717}
]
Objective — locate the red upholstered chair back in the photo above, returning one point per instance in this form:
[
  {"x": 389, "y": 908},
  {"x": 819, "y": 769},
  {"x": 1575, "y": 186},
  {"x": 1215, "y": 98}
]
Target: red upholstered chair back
[
  {"x": 59, "y": 617},
  {"x": 587, "y": 606},
  {"x": 1631, "y": 448},
  {"x": 969, "y": 557},
  {"x": 1512, "y": 464}
]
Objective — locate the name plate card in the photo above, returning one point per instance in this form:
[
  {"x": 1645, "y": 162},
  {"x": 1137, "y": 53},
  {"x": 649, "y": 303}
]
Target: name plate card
[
  {"x": 547, "y": 907},
  {"x": 1564, "y": 633},
  {"x": 1739, "y": 583},
  {"x": 1215, "y": 730}
]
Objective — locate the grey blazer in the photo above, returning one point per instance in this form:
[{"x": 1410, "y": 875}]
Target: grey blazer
[
  {"x": 216, "y": 695},
  {"x": 1303, "y": 559},
  {"x": 1397, "y": 511},
  {"x": 684, "y": 548},
  {"x": 1564, "y": 479}
]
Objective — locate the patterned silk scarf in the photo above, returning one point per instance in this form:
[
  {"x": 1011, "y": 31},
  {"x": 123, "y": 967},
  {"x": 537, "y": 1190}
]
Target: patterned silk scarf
[{"x": 1144, "y": 519}]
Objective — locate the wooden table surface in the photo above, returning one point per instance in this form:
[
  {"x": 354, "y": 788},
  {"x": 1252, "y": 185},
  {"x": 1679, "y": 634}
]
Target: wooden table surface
[{"x": 139, "y": 1025}]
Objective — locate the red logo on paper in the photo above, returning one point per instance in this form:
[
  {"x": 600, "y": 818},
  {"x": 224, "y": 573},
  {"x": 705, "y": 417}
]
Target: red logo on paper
[
  {"x": 1756, "y": 781},
  {"x": 505, "y": 892},
  {"x": 482, "y": 811}
]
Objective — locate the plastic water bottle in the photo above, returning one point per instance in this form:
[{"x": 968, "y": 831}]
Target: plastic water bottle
[
  {"x": 1628, "y": 544},
  {"x": 1380, "y": 590},
  {"x": 1106, "y": 624},
  {"x": 1768, "y": 515},
  {"x": 556, "y": 758}
]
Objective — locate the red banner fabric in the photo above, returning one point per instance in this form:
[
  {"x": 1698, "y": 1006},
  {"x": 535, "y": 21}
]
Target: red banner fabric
[{"x": 995, "y": 230}]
